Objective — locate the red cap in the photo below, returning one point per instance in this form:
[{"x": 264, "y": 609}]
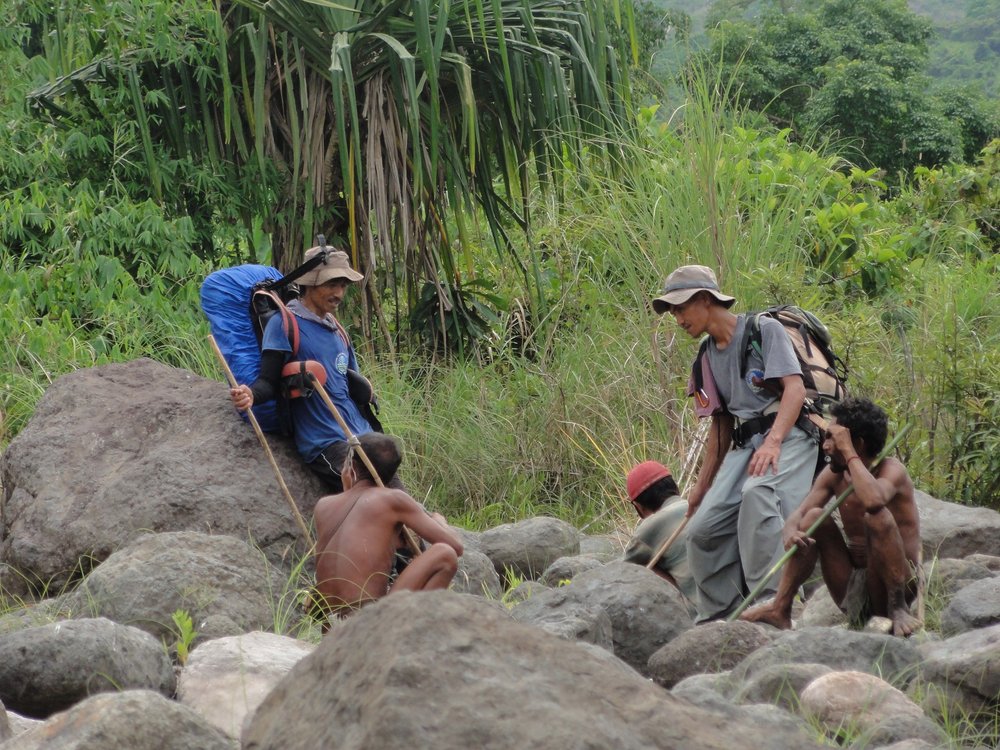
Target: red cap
[{"x": 643, "y": 476}]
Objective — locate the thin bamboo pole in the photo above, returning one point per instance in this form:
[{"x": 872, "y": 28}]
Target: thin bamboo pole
[{"x": 267, "y": 449}]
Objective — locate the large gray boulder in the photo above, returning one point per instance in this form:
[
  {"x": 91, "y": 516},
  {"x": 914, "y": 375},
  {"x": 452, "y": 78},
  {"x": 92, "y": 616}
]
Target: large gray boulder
[
  {"x": 49, "y": 668},
  {"x": 953, "y": 530},
  {"x": 476, "y": 575},
  {"x": 699, "y": 691},
  {"x": 565, "y": 569},
  {"x": 604, "y": 547},
  {"x": 710, "y": 690},
  {"x": 974, "y": 606},
  {"x": 528, "y": 547},
  {"x": 115, "y": 451},
  {"x": 713, "y": 647},
  {"x": 226, "y": 678},
  {"x": 966, "y": 670},
  {"x": 780, "y": 684},
  {"x": 444, "y": 670},
  {"x": 130, "y": 720},
  {"x": 206, "y": 576},
  {"x": 894, "y": 659},
  {"x": 875, "y": 711},
  {"x": 578, "y": 621},
  {"x": 646, "y": 612}
]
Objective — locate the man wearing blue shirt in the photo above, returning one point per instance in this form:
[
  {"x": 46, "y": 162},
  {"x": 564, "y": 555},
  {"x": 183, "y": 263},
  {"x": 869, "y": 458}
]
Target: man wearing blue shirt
[{"x": 319, "y": 438}]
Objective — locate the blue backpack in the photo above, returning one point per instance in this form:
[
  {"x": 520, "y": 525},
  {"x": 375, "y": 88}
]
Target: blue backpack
[{"x": 226, "y": 297}]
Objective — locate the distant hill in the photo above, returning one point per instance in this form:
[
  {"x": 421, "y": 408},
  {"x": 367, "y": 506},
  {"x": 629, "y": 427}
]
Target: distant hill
[{"x": 965, "y": 48}]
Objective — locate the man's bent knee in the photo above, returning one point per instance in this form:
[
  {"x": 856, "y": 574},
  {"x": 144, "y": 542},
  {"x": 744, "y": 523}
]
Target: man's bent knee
[
  {"x": 444, "y": 557},
  {"x": 879, "y": 520}
]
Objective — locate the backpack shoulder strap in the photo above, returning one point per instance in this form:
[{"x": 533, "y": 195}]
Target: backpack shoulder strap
[
  {"x": 697, "y": 374},
  {"x": 751, "y": 342},
  {"x": 265, "y": 304}
]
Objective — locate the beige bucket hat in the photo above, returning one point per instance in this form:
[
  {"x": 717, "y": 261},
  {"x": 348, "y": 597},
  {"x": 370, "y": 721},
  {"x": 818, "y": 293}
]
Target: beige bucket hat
[
  {"x": 337, "y": 266},
  {"x": 687, "y": 281}
]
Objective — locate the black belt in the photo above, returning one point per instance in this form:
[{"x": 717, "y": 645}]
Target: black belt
[{"x": 746, "y": 429}]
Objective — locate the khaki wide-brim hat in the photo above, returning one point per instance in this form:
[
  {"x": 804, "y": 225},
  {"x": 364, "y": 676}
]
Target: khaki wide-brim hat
[
  {"x": 687, "y": 281},
  {"x": 337, "y": 266}
]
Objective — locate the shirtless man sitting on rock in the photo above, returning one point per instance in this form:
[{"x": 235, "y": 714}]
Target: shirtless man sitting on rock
[
  {"x": 873, "y": 570},
  {"x": 360, "y": 530}
]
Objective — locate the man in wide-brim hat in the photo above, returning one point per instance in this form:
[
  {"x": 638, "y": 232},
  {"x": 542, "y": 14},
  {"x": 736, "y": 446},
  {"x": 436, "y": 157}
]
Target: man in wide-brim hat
[
  {"x": 760, "y": 454},
  {"x": 318, "y": 436}
]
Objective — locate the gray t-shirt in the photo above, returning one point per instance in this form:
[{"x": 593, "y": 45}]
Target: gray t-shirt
[
  {"x": 747, "y": 398},
  {"x": 654, "y": 531}
]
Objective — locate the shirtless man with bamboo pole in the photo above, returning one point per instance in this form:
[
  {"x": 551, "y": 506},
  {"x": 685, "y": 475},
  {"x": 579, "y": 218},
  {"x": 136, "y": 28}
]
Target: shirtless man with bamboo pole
[
  {"x": 359, "y": 531},
  {"x": 873, "y": 571}
]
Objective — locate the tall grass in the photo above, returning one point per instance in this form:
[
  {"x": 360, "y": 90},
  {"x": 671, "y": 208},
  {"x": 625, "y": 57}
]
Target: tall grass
[
  {"x": 552, "y": 413},
  {"x": 556, "y": 432}
]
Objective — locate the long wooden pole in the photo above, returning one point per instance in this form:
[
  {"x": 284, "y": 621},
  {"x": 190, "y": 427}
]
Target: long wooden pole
[
  {"x": 827, "y": 512},
  {"x": 267, "y": 448}
]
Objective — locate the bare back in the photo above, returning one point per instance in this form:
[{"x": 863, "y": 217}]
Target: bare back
[{"x": 357, "y": 540}]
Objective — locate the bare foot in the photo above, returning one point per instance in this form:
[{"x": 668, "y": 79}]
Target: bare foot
[
  {"x": 903, "y": 623},
  {"x": 769, "y": 615}
]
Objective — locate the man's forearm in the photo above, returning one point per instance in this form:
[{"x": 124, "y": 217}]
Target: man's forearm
[
  {"x": 793, "y": 397},
  {"x": 716, "y": 446}
]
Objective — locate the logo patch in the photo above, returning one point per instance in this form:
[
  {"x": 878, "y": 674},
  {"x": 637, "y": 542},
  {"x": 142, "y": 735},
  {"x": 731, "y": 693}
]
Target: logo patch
[
  {"x": 755, "y": 380},
  {"x": 341, "y": 363}
]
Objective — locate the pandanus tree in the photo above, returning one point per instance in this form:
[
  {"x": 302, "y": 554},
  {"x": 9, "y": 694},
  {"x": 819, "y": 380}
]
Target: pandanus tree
[{"x": 390, "y": 124}]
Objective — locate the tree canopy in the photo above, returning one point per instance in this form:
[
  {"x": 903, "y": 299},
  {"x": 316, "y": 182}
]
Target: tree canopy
[
  {"x": 851, "y": 70},
  {"x": 385, "y": 124}
]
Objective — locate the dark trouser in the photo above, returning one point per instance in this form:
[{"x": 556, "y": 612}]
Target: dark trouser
[{"x": 330, "y": 462}]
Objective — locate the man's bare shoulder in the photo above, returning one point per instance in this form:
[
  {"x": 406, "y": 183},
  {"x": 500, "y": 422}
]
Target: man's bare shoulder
[
  {"x": 893, "y": 470},
  {"x": 331, "y": 508},
  {"x": 329, "y": 501},
  {"x": 399, "y": 498},
  {"x": 828, "y": 483}
]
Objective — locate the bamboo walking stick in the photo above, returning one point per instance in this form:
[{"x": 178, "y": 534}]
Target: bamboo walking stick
[
  {"x": 827, "y": 512},
  {"x": 267, "y": 448}
]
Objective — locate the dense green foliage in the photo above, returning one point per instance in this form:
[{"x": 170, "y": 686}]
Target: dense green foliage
[
  {"x": 547, "y": 411},
  {"x": 853, "y": 71},
  {"x": 966, "y": 46},
  {"x": 233, "y": 115},
  {"x": 964, "y": 49}
]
